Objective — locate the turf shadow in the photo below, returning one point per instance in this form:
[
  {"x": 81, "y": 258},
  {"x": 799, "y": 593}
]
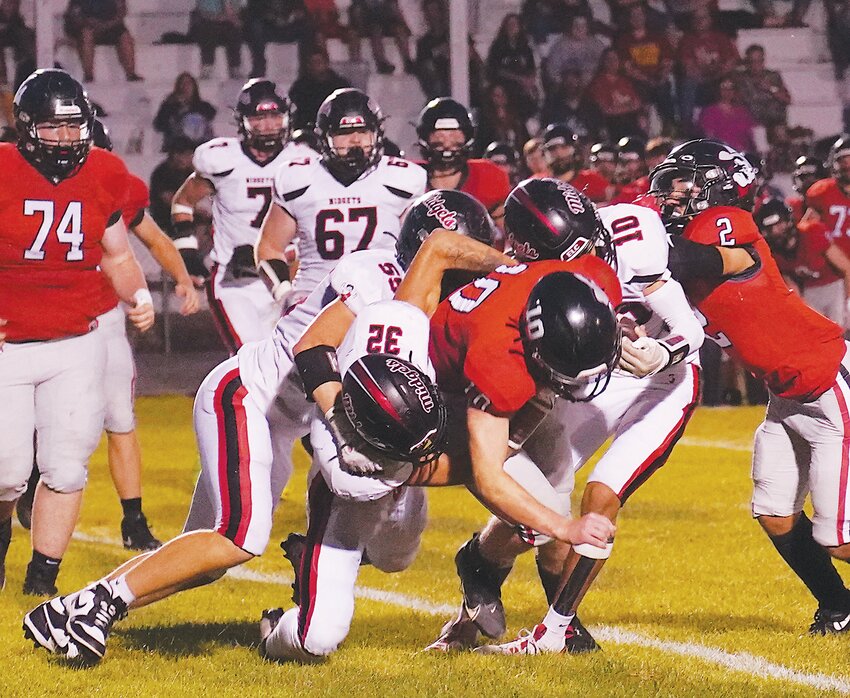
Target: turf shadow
[{"x": 189, "y": 639}]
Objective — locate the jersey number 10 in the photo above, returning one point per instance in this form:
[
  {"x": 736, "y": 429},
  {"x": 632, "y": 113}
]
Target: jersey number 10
[{"x": 69, "y": 230}]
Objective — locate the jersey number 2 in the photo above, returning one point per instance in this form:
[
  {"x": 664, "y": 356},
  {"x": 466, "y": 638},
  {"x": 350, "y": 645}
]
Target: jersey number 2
[{"x": 69, "y": 230}]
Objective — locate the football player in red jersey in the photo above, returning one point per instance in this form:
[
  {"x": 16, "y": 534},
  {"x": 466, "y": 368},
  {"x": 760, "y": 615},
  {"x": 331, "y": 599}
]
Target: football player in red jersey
[
  {"x": 807, "y": 170},
  {"x": 829, "y": 199},
  {"x": 446, "y": 135},
  {"x": 729, "y": 275},
  {"x": 807, "y": 258},
  {"x": 60, "y": 232},
  {"x": 560, "y": 145},
  {"x": 632, "y": 173},
  {"x": 124, "y": 453}
]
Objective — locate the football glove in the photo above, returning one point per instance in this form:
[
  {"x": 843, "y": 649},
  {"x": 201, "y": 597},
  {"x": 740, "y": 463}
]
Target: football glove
[
  {"x": 349, "y": 444},
  {"x": 241, "y": 264},
  {"x": 194, "y": 263},
  {"x": 643, "y": 356}
]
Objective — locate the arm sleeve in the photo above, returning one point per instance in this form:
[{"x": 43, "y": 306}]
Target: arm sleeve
[
  {"x": 690, "y": 260},
  {"x": 670, "y": 304}
]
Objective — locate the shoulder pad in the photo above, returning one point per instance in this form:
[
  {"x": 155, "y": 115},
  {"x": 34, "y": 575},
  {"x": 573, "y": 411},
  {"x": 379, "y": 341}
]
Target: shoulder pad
[
  {"x": 215, "y": 158},
  {"x": 403, "y": 178},
  {"x": 366, "y": 277},
  {"x": 640, "y": 241}
]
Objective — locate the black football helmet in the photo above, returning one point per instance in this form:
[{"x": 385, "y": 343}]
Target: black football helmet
[
  {"x": 100, "y": 135},
  {"x": 839, "y": 170},
  {"x": 347, "y": 110},
  {"x": 550, "y": 219},
  {"x": 445, "y": 114},
  {"x": 631, "y": 159},
  {"x": 259, "y": 97},
  {"x": 807, "y": 171},
  {"x": 570, "y": 335},
  {"x": 395, "y": 408},
  {"x": 305, "y": 136},
  {"x": 442, "y": 208},
  {"x": 775, "y": 221},
  {"x": 504, "y": 157},
  {"x": 700, "y": 174},
  {"x": 53, "y": 96},
  {"x": 559, "y": 135}
]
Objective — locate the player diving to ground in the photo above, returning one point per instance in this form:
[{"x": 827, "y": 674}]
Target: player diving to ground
[
  {"x": 546, "y": 328},
  {"x": 244, "y": 410},
  {"x": 645, "y": 408}
]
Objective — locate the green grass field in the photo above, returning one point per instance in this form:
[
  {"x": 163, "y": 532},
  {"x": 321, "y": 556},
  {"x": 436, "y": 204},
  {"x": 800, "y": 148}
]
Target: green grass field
[{"x": 694, "y": 601}]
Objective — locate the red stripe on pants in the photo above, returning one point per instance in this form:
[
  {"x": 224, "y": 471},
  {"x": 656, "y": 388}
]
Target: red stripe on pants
[
  {"x": 225, "y": 328},
  {"x": 321, "y": 499},
  {"x": 845, "y": 448}
]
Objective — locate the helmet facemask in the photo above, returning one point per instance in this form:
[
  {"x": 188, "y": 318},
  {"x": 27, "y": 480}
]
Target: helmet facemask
[
  {"x": 262, "y": 131},
  {"x": 56, "y": 156}
]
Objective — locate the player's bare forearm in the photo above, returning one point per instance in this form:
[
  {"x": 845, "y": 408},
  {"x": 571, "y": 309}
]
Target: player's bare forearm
[
  {"x": 279, "y": 229},
  {"x": 498, "y": 491},
  {"x": 125, "y": 274},
  {"x": 162, "y": 249},
  {"x": 188, "y": 195},
  {"x": 444, "y": 250}
]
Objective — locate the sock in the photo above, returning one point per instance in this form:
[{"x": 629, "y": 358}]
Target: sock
[
  {"x": 556, "y": 622},
  {"x": 283, "y": 642},
  {"x": 5, "y": 537},
  {"x": 550, "y": 581},
  {"x": 121, "y": 589},
  {"x": 132, "y": 507},
  {"x": 45, "y": 566},
  {"x": 496, "y": 575},
  {"x": 813, "y": 565}
]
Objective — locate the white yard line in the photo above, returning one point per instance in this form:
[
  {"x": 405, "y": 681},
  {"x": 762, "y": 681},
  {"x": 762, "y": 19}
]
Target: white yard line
[
  {"x": 711, "y": 443},
  {"x": 742, "y": 662}
]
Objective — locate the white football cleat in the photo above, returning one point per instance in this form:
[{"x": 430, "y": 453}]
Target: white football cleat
[{"x": 535, "y": 641}]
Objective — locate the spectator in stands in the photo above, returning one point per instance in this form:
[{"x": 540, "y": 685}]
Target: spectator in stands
[
  {"x": 316, "y": 82},
  {"x": 101, "y": 22},
  {"x": 325, "y": 24},
  {"x": 543, "y": 18},
  {"x": 510, "y": 61},
  {"x": 614, "y": 94},
  {"x": 535, "y": 160},
  {"x": 578, "y": 50},
  {"x": 648, "y": 60},
  {"x": 217, "y": 23},
  {"x": 183, "y": 114},
  {"x": 17, "y": 35},
  {"x": 705, "y": 56},
  {"x": 167, "y": 178},
  {"x": 499, "y": 119},
  {"x": 565, "y": 103},
  {"x": 432, "y": 55},
  {"x": 377, "y": 19},
  {"x": 838, "y": 34},
  {"x": 281, "y": 21},
  {"x": 728, "y": 121},
  {"x": 766, "y": 94}
]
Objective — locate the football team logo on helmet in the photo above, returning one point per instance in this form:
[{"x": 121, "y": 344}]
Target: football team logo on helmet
[
  {"x": 259, "y": 98},
  {"x": 436, "y": 205}
]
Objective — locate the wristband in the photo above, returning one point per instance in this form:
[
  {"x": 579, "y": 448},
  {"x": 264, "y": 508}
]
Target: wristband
[
  {"x": 183, "y": 209},
  {"x": 142, "y": 297},
  {"x": 678, "y": 348},
  {"x": 317, "y": 366}
]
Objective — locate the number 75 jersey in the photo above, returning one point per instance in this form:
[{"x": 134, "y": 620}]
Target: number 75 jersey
[
  {"x": 335, "y": 220},
  {"x": 50, "y": 251}
]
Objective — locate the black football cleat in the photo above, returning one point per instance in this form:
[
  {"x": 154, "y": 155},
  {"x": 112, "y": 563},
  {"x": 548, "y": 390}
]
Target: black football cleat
[
  {"x": 46, "y": 626},
  {"x": 268, "y": 622},
  {"x": 39, "y": 583},
  {"x": 136, "y": 534},
  {"x": 458, "y": 634},
  {"x": 579, "y": 640},
  {"x": 829, "y": 622},
  {"x": 5, "y": 541},
  {"x": 293, "y": 550},
  {"x": 91, "y": 616},
  {"x": 481, "y": 584}
]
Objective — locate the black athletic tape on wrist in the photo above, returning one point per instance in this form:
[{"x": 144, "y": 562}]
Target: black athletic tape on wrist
[
  {"x": 273, "y": 272},
  {"x": 317, "y": 366},
  {"x": 678, "y": 348},
  {"x": 183, "y": 229}
]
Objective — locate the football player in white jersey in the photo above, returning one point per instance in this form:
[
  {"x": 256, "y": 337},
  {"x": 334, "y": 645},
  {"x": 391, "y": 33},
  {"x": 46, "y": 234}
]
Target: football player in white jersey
[
  {"x": 245, "y": 409},
  {"x": 238, "y": 173},
  {"x": 350, "y": 197},
  {"x": 645, "y": 408}
]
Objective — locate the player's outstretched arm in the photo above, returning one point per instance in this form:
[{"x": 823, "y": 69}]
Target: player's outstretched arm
[
  {"x": 124, "y": 273},
  {"x": 499, "y": 492},
  {"x": 692, "y": 260},
  {"x": 444, "y": 250},
  {"x": 167, "y": 255},
  {"x": 279, "y": 229},
  {"x": 183, "y": 205}
]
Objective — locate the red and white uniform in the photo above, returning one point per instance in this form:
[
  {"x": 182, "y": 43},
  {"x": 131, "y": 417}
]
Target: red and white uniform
[
  {"x": 833, "y": 207},
  {"x": 243, "y": 309},
  {"x": 51, "y": 369},
  {"x": 251, "y": 408},
  {"x": 645, "y": 416},
  {"x": 351, "y": 516},
  {"x": 802, "y": 357}
]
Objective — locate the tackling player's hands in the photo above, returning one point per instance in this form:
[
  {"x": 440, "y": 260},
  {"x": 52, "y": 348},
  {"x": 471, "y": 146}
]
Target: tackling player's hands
[
  {"x": 643, "y": 356},
  {"x": 348, "y": 444},
  {"x": 592, "y": 529},
  {"x": 191, "y": 302}
]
